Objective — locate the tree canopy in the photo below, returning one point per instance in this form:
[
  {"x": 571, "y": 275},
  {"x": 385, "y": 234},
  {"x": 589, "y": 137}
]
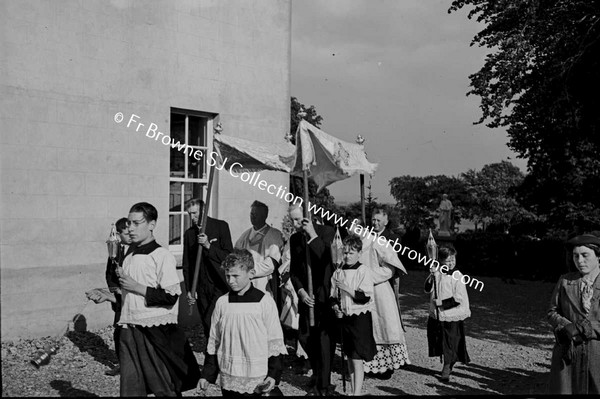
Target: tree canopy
[
  {"x": 419, "y": 197},
  {"x": 492, "y": 191},
  {"x": 540, "y": 81},
  {"x": 486, "y": 197}
]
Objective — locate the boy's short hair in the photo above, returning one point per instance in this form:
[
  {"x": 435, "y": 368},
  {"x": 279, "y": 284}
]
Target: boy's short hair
[
  {"x": 445, "y": 252},
  {"x": 353, "y": 241},
  {"x": 148, "y": 210},
  {"x": 121, "y": 225},
  {"x": 194, "y": 201},
  {"x": 239, "y": 257}
]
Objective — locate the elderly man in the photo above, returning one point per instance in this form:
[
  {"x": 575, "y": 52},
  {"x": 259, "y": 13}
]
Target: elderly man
[
  {"x": 264, "y": 243},
  {"x": 215, "y": 245},
  {"x": 318, "y": 340}
]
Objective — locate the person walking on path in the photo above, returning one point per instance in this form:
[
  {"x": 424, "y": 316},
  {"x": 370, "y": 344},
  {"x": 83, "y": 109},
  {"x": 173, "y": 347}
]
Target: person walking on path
[
  {"x": 448, "y": 308},
  {"x": 383, "y": 263},
  {"x": 265, "y": 243},
  {"x": 351, "y": 296},
  {"x": 154, "y": 353},
  {"x": 574, "y": 315},
  {"x": 245, "y": 344},
  {"x": 215, "y": 245},
  {"x": 317, "y": 340}
]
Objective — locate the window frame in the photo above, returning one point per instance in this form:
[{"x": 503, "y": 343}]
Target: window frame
[{"x": 177, "y": 249}]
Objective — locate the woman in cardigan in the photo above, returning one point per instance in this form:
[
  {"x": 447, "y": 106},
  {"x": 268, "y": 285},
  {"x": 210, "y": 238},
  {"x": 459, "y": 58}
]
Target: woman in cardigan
[{"x": 575, "y": 317}]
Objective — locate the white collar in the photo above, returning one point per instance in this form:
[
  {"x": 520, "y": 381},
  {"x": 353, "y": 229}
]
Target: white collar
[{"x": 261, "y": 229}]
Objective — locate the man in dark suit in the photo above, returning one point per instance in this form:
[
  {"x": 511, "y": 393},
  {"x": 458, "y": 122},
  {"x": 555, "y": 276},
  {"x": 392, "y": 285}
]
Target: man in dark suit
[
  {"x": 319, "y": 340},
  {"x": 216, "y": 245},
  {"x": 380, "y": 221}
]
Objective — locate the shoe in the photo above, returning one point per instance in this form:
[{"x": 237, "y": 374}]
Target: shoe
[
  {"x": 386, "y": 375},
  {"x": 313, "y": 392},
  {"x": 113, "y": 372},
  {"x": 445, "y": 373}
]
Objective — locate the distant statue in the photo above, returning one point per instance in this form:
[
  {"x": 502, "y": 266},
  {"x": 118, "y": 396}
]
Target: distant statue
[{"x": 445, "y": 218}]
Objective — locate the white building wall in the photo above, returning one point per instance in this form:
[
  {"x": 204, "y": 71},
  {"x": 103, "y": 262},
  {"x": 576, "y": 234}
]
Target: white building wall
[{"x": 68, "y": 170}]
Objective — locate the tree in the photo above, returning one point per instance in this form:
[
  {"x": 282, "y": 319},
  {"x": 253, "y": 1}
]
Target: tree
[
  {"x": 419, "y": 197},
  {"x": 322, "y": 198},
  {"x": 492, "y": 192},
  {"x": 485, "y": 197},
  {"x": 536, "y": 82},
  {"x": 311, "y": 117}
]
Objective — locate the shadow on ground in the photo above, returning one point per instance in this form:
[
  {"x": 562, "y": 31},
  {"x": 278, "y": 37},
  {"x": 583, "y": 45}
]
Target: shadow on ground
[
  {"x": 514, "y": 314},
  {"x": 509, "y": 381},
  {"x": 95, "y": 346},
  {"x": 196, "y": 337},
  {"x": 65, "y": 389}
]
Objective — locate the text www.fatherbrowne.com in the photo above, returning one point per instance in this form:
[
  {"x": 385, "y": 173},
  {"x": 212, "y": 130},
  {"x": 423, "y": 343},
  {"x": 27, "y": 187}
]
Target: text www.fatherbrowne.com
[{"x": 214, "y": 159}]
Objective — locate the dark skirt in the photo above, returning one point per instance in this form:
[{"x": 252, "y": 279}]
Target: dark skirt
[
  {"x": 447, "y": 338},
  {"x": 156, "y": 360},
  {"x": 357, "y": 337}
]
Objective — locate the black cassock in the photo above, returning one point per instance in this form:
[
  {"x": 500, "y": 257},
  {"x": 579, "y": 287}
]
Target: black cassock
[{"x": 211, "y": 278}]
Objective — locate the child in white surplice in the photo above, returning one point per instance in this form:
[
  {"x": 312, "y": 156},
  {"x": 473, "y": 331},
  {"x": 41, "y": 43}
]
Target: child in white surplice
[
  {"x": 246, "y": 341},
  {"x": 352, "y": 301}
]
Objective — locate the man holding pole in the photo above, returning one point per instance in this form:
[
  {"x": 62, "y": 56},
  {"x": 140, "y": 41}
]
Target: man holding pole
[
  {"x": 318, "y": 338},
  {"x": 216, "y": 245}
]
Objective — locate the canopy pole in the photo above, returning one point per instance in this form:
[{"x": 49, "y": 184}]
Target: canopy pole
[
  {"x": 362, "y": 200},
  {"x": 211, "y": 175},
  {"x": 360, "y": 140},
  {"x": 311, "y": 310}
]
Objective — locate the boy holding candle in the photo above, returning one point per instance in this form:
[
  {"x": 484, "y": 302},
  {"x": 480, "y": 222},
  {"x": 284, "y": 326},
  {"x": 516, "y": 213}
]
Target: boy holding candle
[{"x": 112, "y": 280}]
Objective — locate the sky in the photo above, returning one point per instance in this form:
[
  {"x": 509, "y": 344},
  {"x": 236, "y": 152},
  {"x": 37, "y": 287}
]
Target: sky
[{"x": 396, "y": 72}]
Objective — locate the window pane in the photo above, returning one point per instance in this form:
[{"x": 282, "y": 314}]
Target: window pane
[
  {"x": 177, "y": 163},
  {"x": 193, "y": 190},
  {"x": 187, "y": 222},
  {"x": 197, "y": 131},
  {"x": 178, "y": 127},
  {"x": 175, "y": 200},
  {"x": 175, "y": 229},
  {"x": 189, "y": 129},
  {"x": 196, "y": 168}
]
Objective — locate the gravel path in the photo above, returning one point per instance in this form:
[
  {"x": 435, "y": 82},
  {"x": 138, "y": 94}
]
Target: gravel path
[{"x": 507, "y": 338}]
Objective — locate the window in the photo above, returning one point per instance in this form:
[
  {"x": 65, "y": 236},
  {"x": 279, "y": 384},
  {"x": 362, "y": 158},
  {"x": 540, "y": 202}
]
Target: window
[{"x": 188, "y": 175}]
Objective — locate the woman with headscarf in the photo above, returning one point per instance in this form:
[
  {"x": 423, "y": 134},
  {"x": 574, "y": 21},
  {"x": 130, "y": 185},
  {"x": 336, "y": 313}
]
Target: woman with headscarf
[
  {"x": 382, "y": 262},
  {"x": 575, "y": 317}
]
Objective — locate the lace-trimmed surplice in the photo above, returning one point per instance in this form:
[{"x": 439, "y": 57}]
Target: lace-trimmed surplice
[{"x": 245, "y": 332}]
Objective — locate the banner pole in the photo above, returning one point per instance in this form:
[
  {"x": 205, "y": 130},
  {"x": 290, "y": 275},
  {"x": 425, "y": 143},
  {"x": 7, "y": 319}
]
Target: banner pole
[
  {"x": 362, "y": 199},
  {"x": 211, "y": 175},
  {"x": 311, "y": 310}
]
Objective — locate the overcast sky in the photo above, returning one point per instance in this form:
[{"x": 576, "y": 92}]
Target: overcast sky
[{"x": 395, "y": 71}]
